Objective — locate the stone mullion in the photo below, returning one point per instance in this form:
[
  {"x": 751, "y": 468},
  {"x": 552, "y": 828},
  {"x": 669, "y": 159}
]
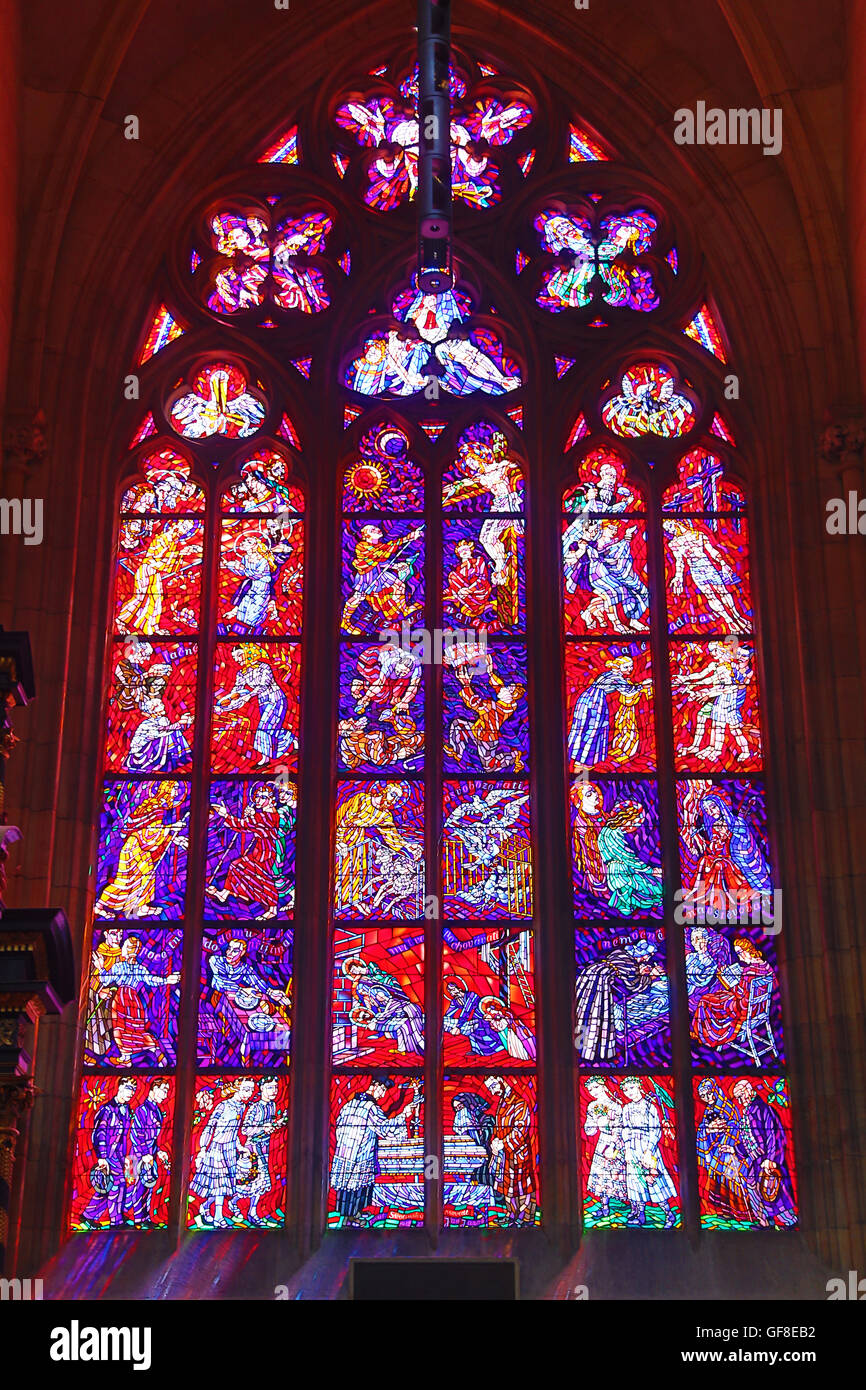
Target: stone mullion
[
  {"x": 554, "y": 939},
  {"x": 666, "y": 785},
  {"x": 196, "y": 872},
  {"x": 313, "y": 914},
  {"x": 434, "y": 775}
]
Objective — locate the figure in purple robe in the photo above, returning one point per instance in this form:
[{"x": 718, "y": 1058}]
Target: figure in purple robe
[
  {"x": 603, "y": 989},
  {"x": 761, "y": 1147},
  {"x": 111, "y": 1146},
  {"x": 144, "y": 1150},
  {"x": 464, "y": 1016},
  {"x": 589, "y": 735}
]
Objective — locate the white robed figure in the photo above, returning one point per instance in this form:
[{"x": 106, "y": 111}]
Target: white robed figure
[
  {"x": 273, "y": 738},
  {"x": 215, "y": 1175},
  {"x": 259, "y": 1124},
  {"x": 390, "y": 362},
  {"x": 614, "y": 580},
  {"x": 158, "y": 743},
  {"x": 360, "y": 1125},
  {"x": 606, "y": 1178},
  {"x": 253, "y": 597},
  {"x": 647, "y": 1178}
]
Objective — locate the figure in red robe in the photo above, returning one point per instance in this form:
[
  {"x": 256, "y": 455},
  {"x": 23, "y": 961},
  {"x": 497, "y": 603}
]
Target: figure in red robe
[
  {"x": 468, "y": 587},
  {"x": 721, "y": 1013},
  {"x": 512, "y": 1166},
  {"x": 251, "y": 876}
]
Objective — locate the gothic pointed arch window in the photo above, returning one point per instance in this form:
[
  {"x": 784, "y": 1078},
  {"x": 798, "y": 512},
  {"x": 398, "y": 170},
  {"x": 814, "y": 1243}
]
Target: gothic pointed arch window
[{"x": 349, "y": 933}]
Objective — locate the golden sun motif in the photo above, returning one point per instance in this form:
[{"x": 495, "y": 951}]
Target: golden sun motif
[{"x": 366, "y": 479}]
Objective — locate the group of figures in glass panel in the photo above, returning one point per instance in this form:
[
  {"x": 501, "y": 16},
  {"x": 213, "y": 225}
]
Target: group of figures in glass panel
[
  {"x": 725, "y": 901},
  {"x": 387, "y": 121},
  {"x": 476, "y": 645},
  {"x": 378, "y": 1164},
  {"x": 123, "y": 1165}
]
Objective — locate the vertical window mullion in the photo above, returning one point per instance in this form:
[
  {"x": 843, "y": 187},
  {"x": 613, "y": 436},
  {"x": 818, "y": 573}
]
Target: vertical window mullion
[
  {"x": 188, "y": 1029},
  {"x": 674, "y": 936},
  {"x": 433, "y": 926}
]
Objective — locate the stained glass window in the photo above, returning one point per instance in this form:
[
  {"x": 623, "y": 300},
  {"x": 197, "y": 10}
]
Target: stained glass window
[
  {"x": 259, "y": 257},
  {"x": 597, "y": 248},
  {"x": 746, "y": 1173},
  {"x": 378, "y": 1012},
  {"x": 582, "y": 147},
  {"x": 448, "y": 439},
  {"x": 703, "y": 329},
  {"x": 231, "y": 546},
  {"x": 122, "y": 1117},
  {"x": 219, "y": 401},
  {"x": 465, "y": 648},
  {"x": 387, "y": 122},
  {"x": 487, "y": 873},
  {"x": 401, "y": 361},
  {"x": 163, "y": 330},
  {"x": 648, "y": 403},
  {"x": 643, "y": 897}
]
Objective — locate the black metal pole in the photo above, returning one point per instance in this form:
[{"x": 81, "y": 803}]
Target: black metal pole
[{"x": 435, "y": 272}]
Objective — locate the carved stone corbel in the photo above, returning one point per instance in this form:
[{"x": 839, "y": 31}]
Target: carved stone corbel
[
  {"x": 17, "y": 1095},
  {"x": 24, "y": 438},
  {"x": 841, "y": 447}
]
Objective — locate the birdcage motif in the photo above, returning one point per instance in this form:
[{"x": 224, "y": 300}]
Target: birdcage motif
[{"x": 462, "y": 873}]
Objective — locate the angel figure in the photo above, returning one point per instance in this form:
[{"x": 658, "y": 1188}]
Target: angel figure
[{"x": 197, "y": 417}]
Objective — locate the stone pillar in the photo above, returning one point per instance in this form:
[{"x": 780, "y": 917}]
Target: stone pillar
[
  {"x": 37, "y": 977},
  {"x": 16, "y": 1097},
  {"x": 36, "y": 964},
  {"x": 830, "y": 1029},
  {"x": 855, "y": 183},
  {"x": 842, "y": 444},
  {"x": 16, "y": 688},
  {"x": 24, "y": 446},
  {"x": 10, "y": 144}
]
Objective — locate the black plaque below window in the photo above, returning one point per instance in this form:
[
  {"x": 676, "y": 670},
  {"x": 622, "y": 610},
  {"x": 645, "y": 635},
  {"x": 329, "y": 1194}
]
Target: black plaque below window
[{"x": 433, "y": 1279}]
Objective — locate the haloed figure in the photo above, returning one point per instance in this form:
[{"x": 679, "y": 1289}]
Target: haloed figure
[
  {"x": 647, "y": 1179},
  {"x": 215, "y": 1176},
  {"x": 260, "y": 1123}
]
